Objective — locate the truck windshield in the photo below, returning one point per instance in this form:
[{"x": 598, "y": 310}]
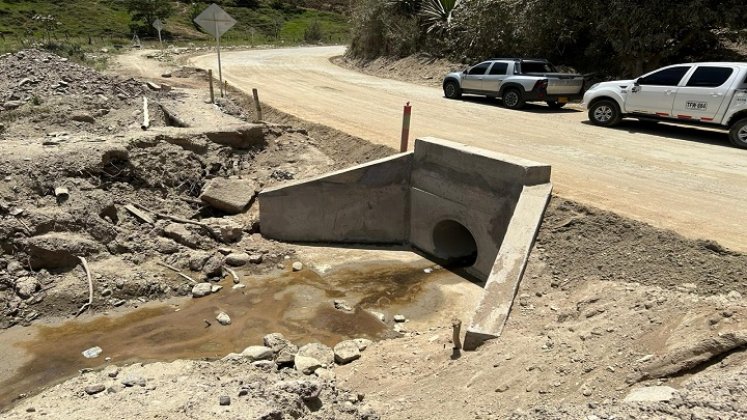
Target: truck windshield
[{"x": 536, "y": 67}]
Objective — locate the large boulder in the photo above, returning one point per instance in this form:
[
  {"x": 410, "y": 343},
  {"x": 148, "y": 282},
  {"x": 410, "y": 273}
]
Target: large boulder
[
  {"x": 59, "y": 250},
  {"x": 231, "y": 196}
]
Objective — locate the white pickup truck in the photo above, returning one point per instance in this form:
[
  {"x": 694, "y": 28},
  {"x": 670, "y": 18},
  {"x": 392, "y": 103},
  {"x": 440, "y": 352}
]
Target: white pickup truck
[{"x": 695, "y": 93}]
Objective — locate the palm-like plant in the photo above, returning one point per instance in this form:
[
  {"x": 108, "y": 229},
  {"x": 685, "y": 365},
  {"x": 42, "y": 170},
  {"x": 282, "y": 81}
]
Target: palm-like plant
[{"x": 437, "y": 14}]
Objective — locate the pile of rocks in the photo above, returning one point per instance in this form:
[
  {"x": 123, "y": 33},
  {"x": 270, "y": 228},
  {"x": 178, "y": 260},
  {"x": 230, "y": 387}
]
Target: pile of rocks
[
  {"x": 310, "y": 359},
  {"x": 31, "y": 73}
]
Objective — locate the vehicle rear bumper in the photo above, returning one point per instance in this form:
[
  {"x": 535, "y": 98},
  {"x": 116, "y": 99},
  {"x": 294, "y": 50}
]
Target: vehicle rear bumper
[{"x": 544, "y": 97}]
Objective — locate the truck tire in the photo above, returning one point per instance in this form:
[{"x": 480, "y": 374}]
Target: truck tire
[
  {"x": 452, "y": 90},
  {"x": 605, "y": 113},
  {"x": 513, "y": 99},
  {"x": 738, "y": 133},
  {"x": 555, "y": 104}
]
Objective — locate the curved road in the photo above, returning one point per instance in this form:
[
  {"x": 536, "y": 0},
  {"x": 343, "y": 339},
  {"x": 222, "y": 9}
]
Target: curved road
[{"x": 685, "y": 179}]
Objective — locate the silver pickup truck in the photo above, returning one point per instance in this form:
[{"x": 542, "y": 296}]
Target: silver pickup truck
[{"x": 516, "y": 81}]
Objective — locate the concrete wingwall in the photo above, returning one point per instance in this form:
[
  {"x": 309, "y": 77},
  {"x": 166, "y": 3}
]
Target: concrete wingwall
[
  {"x": 491, "y": 203},
  {"x": 366, "y": 204}
]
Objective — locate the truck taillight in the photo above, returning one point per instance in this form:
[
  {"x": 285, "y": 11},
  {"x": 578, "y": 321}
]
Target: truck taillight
[{"x": 540, "y": 85}]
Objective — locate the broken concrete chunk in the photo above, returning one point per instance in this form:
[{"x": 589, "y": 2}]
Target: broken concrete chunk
[
  {"x": 229, "y": 195},
  {"x": 244, "y": 136},
  {"x": 346, "y": 352},
  {"x": 182, "y": 235}
]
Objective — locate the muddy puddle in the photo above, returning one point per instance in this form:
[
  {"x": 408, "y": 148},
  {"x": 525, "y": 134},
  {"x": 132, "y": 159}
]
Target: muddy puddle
[{"x": 298, "y": 305}]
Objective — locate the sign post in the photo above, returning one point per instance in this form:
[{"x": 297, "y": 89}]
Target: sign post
[
  {"x": 159, "y": 27},
  {"x": 216, "y": 22}
]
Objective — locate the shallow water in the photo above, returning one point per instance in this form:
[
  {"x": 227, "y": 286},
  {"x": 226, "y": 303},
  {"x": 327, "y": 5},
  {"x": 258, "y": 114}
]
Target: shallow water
[{"x": 298, "y": 305}]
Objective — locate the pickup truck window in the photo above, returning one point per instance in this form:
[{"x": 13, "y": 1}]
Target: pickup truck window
[
  {"x": 706, "y": 76},
  {"x": 479, "y": 69},
  {"x": 498, "y": 69},
  {"x": 536, "y": 67},
  {"x": 666, "y": 77}
]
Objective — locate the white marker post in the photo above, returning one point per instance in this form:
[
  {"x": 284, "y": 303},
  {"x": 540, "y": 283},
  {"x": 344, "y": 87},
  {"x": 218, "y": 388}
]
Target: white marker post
[
  {"x": 216, "y": 22},
  {"x": 159, "y": 27}
]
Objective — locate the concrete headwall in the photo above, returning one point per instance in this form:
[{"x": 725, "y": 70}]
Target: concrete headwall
[{"x": 491, "y": 204}]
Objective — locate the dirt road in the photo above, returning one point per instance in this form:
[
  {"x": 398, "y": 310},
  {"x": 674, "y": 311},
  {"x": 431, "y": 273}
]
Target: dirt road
[{"x": 685, "y": 179}]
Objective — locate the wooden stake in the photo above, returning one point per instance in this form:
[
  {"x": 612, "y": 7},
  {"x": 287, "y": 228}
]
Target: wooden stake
[
  {"x": 257, "y": 106},
  {"x": 456, "y": 326},
  {"x": 212, "y": 91}
]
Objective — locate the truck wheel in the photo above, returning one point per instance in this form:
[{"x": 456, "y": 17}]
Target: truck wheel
[
  {"x": 605, "y": 113},
  {"x": 513, "y": 99},
  {"x": 452, "y": 90},
  {"x": 555, "y": 104},
  {"x": 738, "y": 133}
]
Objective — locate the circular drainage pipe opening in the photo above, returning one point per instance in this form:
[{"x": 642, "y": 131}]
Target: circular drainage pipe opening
[{"x": 454, "y": 244}]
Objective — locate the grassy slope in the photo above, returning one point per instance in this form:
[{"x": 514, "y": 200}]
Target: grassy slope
[{"x": 105, "y": 18}]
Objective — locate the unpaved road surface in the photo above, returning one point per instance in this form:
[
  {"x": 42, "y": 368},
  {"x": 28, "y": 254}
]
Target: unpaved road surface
[{"x": 686, "y": 179}]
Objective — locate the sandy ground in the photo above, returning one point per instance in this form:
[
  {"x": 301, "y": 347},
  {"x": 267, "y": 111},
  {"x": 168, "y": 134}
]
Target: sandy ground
[{"x": 689, "y": 180}]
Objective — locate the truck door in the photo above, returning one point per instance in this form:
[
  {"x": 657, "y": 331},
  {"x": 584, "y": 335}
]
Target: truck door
[
  {"x": 493, "y": 80},
  {"x": 473, "y": 76},
  {"x": 654, "y": 93},
  {"x": 704, "y": 94}
]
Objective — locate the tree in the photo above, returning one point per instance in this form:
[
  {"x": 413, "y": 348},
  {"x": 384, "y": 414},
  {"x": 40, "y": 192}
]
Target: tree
[{"x": 145, "y": 12}]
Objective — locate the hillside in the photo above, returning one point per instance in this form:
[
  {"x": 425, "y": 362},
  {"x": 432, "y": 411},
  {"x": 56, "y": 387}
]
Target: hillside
[{"x": 260, "y": 21}]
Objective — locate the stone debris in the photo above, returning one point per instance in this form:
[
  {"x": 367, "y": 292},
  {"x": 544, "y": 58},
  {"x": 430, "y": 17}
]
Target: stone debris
[
  {"x": 95, "y": 389},
  {"x": 237, "y": 259},
  {"x": 651, "y": 394},
  {"x": 297, "y": 266},
  {"x": 318, "y": 351},
  {"x": 399, "y": 318},
  {"x": 202, "y": 289},
  {"x": 363, "y": 343},
  {"x": 223, "y": 319},
  {"x": 231, "y": 196},
  {"x": 254, "y": 353},
  {"x": 92, "y": 353},
  {"x": 341, "y": 305},
  {"x": 224, "y": 400},
  {"x": 307, "y": 365},
  {"x": 346, "y": 352}
]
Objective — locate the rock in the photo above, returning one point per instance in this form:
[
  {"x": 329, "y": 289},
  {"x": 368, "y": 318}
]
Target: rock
[
  {"x": 237, "y": 259},
  {"x": 297, "y": 266},
  {"x": 153, "y": 86},
  {"x": 82, "y": 117},
  {"x": 651, "y": 394},
  {"x": 734, "y": 295},
  {"x": 92, "y": 353},
  {"x": 182, "y": 235},
  {"x": 223, "y": 319},
  {"x": 306, "y": 365},
  {"x": 111, "y": 371},
  {"x": 59, "y": 249},
  {"x": 317, "y": 351},
  {"x": 244, "y": 136},
  {"x": 225, "y": 400},
  {"x": 276, "y": 342},
  {"x": 341, "y": 305},
  {"x": 238, "y": 286},
  {"x": 399, "y": 318},
  {"x": 215, "y": 288},
  {"x": 254, "y": 353},
  {"x": 229, "y": 230},
  {"x": 255, "y": 258},
  {"x": 380, "y": 316},
  {"x": 95, "y": 389},
  {"x": 202, "y": 289},
  {"x": 166, "y": 75},
  {"x": 363, "y": 343},
  {"x": 26, "y": 287},
  {"x": 231, "y": 196},
  {"x": 10, "y": 105},
  {"x": 133, "y": 380},
  {"x": 287, "y": 355},
  {"x": 346, "y": 352},
  {"x": 213, "y": 266}
]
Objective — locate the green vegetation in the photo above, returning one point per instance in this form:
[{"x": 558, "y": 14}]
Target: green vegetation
[
  {"x": 615, "y": 37},
  {"x": 73, "y": 26}
]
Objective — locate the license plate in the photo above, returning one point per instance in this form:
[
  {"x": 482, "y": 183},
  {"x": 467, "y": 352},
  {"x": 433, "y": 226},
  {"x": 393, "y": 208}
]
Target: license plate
[{"x": 563, "y": 99}]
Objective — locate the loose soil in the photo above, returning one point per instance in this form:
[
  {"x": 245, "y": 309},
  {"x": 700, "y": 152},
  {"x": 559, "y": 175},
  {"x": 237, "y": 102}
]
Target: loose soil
[{"x": 607, "y": 305}]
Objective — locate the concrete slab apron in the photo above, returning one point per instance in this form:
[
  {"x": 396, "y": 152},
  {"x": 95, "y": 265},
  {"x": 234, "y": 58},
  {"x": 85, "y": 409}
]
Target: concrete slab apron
[{"x": 498, "y": 199}]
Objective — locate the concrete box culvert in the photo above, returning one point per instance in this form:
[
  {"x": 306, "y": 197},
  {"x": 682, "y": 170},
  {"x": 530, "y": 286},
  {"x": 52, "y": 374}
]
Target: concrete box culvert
[{"x": 447, "y": 199}]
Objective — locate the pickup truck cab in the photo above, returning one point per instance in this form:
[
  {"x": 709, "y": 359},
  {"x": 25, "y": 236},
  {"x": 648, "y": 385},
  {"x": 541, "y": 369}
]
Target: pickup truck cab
[
  {"x": 516, "y": 81},
  {"x": 712, "y": 94}
]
